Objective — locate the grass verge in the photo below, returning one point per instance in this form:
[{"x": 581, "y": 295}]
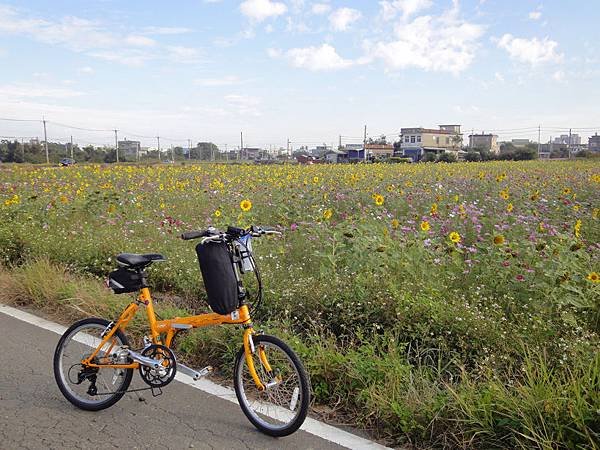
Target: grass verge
[{"x": 375, "y": 384}]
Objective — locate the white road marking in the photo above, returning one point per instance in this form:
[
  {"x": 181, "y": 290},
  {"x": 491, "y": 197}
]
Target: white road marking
[{"x": 312, "y": 426}]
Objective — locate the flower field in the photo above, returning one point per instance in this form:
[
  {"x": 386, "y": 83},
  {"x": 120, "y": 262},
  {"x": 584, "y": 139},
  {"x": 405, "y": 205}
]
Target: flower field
[{"x": 436, "y": 304}]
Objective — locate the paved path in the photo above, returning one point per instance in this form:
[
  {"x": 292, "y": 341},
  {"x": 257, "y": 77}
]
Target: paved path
[{"x": 34, "y": 415}]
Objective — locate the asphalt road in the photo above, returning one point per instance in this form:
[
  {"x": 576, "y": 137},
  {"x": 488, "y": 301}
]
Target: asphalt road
[{"x": 34, "y": 414}]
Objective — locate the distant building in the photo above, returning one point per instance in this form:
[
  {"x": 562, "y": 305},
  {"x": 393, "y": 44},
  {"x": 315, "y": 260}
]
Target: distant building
[
  {"x": 416, "y": 141},
  {"x": 250, "y": 153},
  {"x": 594, "y": 143},
  {"x": 354, "y": 152},
  {"x": 336, "y": 156},
  {"x": 129, "y": 148},
  {"x": 485, "y": 142},
  {"x": 380, "y": 150},
  {"x": 574, "y": 139},
  {"x": 520, "y": 142}
]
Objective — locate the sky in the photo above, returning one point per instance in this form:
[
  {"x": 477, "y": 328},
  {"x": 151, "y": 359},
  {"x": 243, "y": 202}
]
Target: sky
[{"x": 303, "y": 70}]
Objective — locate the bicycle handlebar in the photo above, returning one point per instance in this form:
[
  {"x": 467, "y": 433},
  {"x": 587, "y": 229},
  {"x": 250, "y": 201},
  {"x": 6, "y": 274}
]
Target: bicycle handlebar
[{"x": 232, "y": 233}]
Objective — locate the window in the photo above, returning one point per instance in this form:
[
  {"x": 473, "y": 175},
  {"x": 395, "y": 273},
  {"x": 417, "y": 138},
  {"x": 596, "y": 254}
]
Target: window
[
  {"x": 412, "y": 139},
  {"x": 407, "y": 139},
  {"x": 436, "y": 139},
  {"x": 418, "y": 138},
  {"x": 447, "y": 140}
]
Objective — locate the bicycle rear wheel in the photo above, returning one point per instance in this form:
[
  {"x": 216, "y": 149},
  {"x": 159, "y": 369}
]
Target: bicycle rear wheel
[
  {"x": 87, "y": 388},
  {"x": 280, "y": 409}
]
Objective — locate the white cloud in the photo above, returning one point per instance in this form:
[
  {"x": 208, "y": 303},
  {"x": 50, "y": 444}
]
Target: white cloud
[
  {"x": 406, "y": 8},
  {"x": 27, "y": 90},
  {"x": 535, "y": 15},
  {"x": 140, "y": 41},
  {"x": 89, "y": 37},
  {"x": 244, "y": 104},
  {"x": 320, "y": 8},
  {"x": 181, "y": 54},
  {"x": 259, "y": 10},
  {"x": 532, "y": 51},
  {"x": 445, "y": 43},
  {"x": 323, "y": 58},
  {"x": 167, "y": 30},
  {"x": 499, "y": 77},
  {"x": 342, "y": 18},
  {"x": 559, "y": 76},
  {"x": 85, "y": 70}
]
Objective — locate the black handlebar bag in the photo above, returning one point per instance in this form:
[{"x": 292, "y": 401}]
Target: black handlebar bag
[{"x": 219, "y": 278}]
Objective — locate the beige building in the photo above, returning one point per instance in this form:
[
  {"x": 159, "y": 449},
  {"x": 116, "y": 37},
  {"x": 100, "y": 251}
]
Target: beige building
[
  {"x": 484, "y": 141},
  {"x": 416, "y": 141},
  {"x": 380, "y": 150}
]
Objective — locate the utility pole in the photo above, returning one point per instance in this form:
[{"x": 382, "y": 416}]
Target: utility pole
[
  {"x": 226, "y": 153},
  {"x": 471, "y": 139},
  {"x": 241, "y": 144},
  {"x": 569, "y": 143},
  {"x": 46, "y": 141},
  {"x": 340, "y": 144},
  {"x": 158, "y": 146},
  {"x": 539, "y": 140},
  {"x": 365, "y": 143},
  {"x": 189, "y": 149},
  {"x": 117, "y": 145},
  {"x": 23, "y": 149},
  {"x": 288, "y": 147},
  {"x": 71, "y": 146}
]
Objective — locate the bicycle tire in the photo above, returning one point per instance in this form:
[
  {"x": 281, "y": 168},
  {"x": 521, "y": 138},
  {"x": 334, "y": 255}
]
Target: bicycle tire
[
  {"x": 258, "y": 419},
  {"x": 59, "y": 375}
]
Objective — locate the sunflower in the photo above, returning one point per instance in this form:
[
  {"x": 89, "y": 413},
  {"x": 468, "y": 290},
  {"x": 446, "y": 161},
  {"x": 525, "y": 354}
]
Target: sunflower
[
  {"x": 577, "y": 228},
  {"x": 217, "y": 213},
  {"x": 594, "y": 277},
  {"x": 510, "y": 207},
  {"x": 434, "y": 208},
  {"x": 327, "y": 214},
  {"x": 425, "y": 226},
  {"x": 499, "y": 240},
  {"x": 454, "y": 237},
  {"x": 246, "y": 205},
  {"x": 395, "y": 224},
  {"x": 378, "y": 199}
]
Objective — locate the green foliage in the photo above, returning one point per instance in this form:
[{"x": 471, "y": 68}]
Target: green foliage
[{"x": 430, "y": 342}]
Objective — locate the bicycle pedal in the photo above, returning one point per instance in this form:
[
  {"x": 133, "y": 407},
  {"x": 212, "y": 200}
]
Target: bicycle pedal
[
  {"x": 195, "y": 374},
  {"x": 156, "y": 391}
]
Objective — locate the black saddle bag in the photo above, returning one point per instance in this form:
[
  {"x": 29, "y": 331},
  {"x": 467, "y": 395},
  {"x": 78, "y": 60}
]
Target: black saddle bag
[
  {"x": 219, "y": 278},
  {"x": 122, "y": 281}
]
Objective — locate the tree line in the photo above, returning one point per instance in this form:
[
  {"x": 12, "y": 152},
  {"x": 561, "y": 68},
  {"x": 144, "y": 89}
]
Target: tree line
[{"x": 12, "y": 151}]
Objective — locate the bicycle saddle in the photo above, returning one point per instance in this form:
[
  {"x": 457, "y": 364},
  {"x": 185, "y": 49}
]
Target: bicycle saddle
[{"x": 135, "y": 261}]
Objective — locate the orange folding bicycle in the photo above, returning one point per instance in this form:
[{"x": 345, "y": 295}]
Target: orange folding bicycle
[{"x": 94, "y": 365}]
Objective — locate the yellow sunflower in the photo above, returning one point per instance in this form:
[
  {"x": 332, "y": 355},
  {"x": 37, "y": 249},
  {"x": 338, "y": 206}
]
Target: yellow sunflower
[
  {"x": 378, "y": 199},
  {"x": 327, "y": 214},
  {"x": 510, "y": 207},
  {"x": 454, "y": 237},
  {"x": 594, "y": 277},
  {"x": 577, "y": 228},
  {"x": 425, "y": 226},
  {"x": 499, "y": 240},
  {"x": 217, "y": 213},
  {"x": 395, "y": 224},
  {"x": 246, "y": 205}
]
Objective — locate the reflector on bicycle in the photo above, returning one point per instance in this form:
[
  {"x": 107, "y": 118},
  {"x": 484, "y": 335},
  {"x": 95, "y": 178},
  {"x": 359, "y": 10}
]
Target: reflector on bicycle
[{"x": 219, "y": 278}]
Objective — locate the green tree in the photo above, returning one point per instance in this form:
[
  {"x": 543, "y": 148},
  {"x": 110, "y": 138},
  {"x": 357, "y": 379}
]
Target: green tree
[{"x": 447, "y": 157}]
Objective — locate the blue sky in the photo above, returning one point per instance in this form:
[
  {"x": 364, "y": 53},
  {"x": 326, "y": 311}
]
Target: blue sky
[{"x": 299, "y": 69}]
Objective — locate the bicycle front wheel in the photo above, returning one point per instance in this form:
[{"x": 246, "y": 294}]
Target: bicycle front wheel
[
  {"x": 88, "y": 388},
  {"x": 279, "y": 409}
]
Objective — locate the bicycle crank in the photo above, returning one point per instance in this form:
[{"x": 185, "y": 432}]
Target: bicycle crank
[{"x": 157, "y": 365}]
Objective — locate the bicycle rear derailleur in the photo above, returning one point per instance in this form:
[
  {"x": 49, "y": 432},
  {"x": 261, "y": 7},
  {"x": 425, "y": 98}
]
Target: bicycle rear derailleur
[{"x": 162, "y": 373}]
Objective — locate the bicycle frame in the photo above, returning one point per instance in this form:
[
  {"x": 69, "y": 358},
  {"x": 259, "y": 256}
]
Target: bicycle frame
[{"x": 170, "y": 327}]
